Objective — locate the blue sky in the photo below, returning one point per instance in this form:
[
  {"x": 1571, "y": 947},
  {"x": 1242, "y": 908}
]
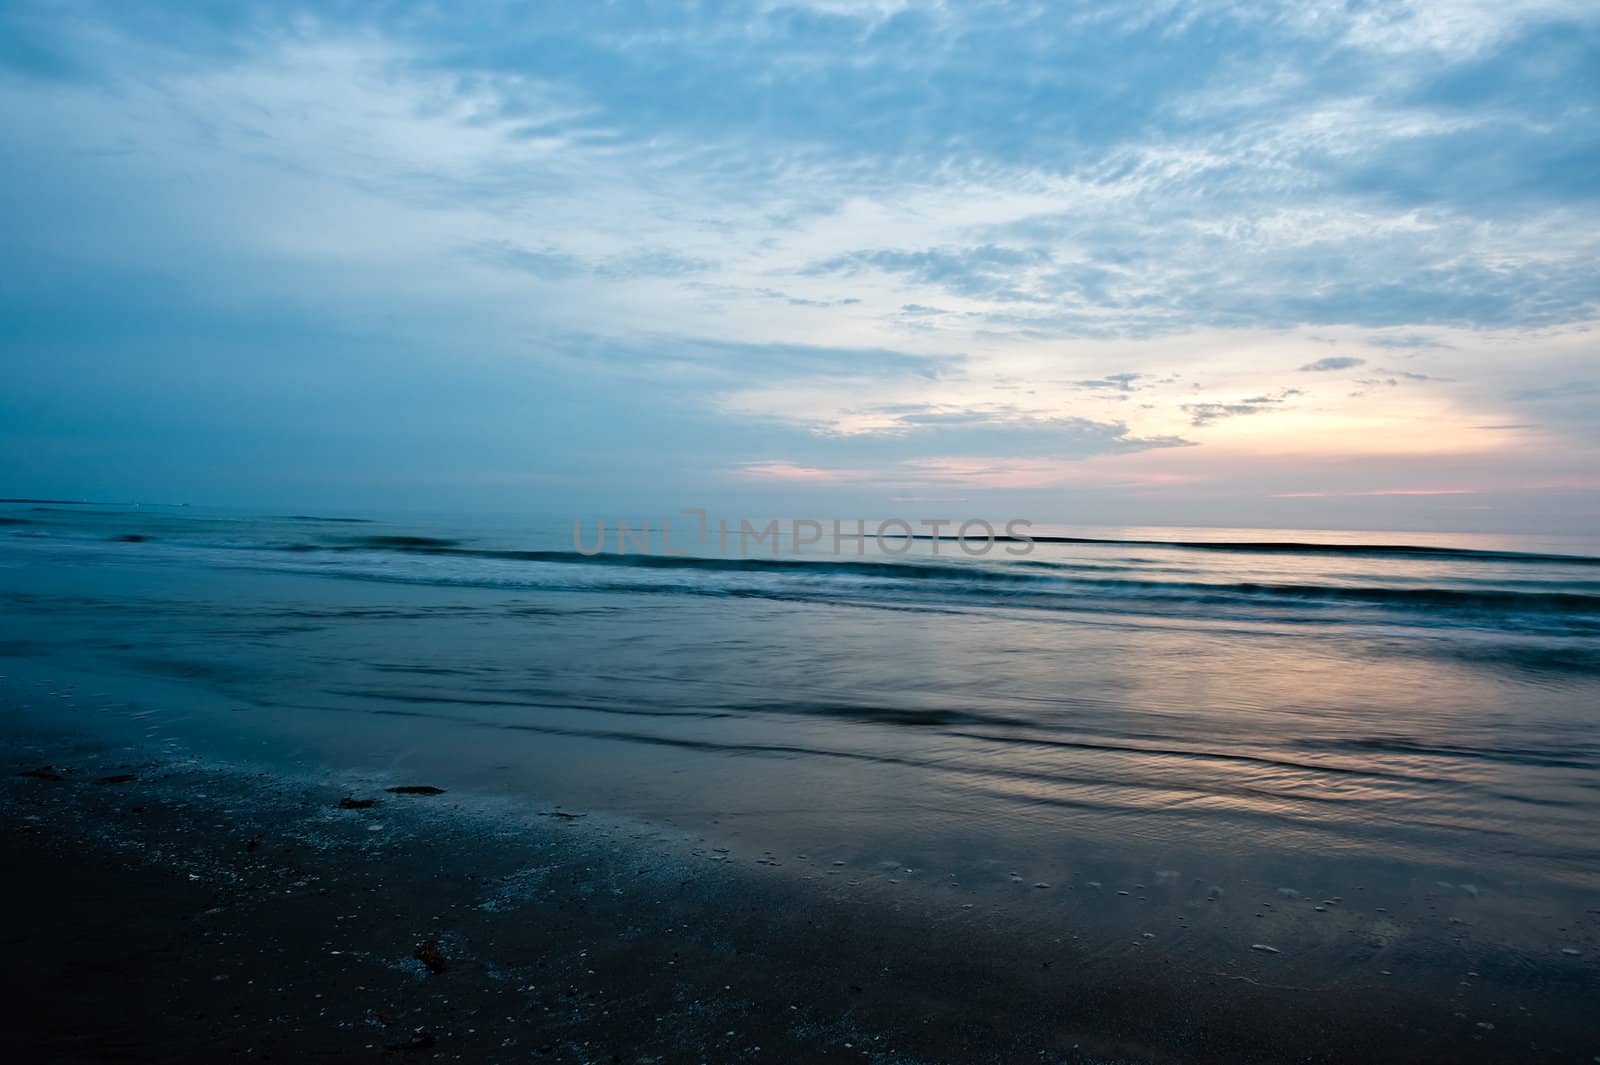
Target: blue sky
[{"x": 1325, "y": 265}]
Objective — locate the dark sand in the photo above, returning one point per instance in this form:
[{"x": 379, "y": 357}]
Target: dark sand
[{"x": 206, "y": 913}]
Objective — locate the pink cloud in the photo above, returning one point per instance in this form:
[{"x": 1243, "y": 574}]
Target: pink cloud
[
  {"x": 1381, "y": 492},
  {"x": 789, "y": 472}
]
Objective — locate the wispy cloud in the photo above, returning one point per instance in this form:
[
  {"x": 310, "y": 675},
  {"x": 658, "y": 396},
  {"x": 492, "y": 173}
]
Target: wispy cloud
[
  {"x": 1114, "y": 382},
  {"x": 785, "y": 472},
  {"x": 1333, "y": 362},
  {"x": 1569, "y": 391},
  {"x": 1203, "y": 414},
  {"x": 1383, "y": 492},
  {"x": 1406, "y": 341},
  {"x": 643, "y": 245}
]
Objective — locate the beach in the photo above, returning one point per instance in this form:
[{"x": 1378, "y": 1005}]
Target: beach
[
  {"x": 179, "y": 911},
  {"x": 1125, "y": 802},
  {"x": 957, "y": 533}
]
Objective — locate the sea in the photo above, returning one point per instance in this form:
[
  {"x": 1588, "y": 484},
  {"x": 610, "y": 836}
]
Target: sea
[{"x": 1266, "y": 723}]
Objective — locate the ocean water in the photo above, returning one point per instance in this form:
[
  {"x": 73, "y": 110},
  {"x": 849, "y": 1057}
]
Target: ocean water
[{"x": 1247, "y": 718}]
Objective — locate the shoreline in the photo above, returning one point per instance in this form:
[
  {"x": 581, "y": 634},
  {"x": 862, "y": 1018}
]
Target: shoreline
[{"x": 203, "y": 911}]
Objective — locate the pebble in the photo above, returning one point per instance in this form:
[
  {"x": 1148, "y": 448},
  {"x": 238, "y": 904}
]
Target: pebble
[{"x": 1263, "y": 948}]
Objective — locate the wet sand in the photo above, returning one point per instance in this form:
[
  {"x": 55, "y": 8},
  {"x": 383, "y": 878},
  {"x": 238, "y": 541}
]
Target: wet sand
[{"x": 185, "y": 910}]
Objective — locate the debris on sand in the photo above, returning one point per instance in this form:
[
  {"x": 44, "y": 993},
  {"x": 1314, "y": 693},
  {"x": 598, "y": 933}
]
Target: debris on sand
[
  {"x": 431, "y": 956},
  {"x": 44, "y": 772},
  {"x": 351, "y": 803},
  {"x": 416, "y": 789},
  {"x": 118, "y": 778},
  {"x": 421, "y": 1039}
]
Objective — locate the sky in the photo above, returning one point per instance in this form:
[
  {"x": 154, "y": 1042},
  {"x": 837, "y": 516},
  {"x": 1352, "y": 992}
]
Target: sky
[{"x": 1312, "y": 265}]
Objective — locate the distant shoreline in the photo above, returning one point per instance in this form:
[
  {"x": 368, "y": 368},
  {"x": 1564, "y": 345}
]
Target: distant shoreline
[{"x": 57, "y": 502}]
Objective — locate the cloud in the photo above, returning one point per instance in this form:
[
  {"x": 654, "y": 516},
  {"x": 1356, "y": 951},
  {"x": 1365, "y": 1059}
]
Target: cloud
[
  {"x": 988, "y": 272},
  {"x": 1572, "y": 390},
  {"x": 636, "y": 264},
  {"x": 547, "y": 264},
  {"x": 789, "y": 472},
  {"x": 1405, "y": 340},
  {"x": 1382, "y": 492},
  {"x": 1120, "y": 382},
  {"x": 727, "y": 365},
  {"x": 907, "y": 430},
  {"x": 1204, "y": 414},
  {"x": 550, "y": 264},
  {"x": 921, "y": 444},
  {"x": 1393, "y": 381},
  {"x": 617, "y": 248},
  {"x": 1332, "y": 362}
]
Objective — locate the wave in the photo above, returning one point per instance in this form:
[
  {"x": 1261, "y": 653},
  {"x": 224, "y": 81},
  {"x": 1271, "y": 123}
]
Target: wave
[
  {"x": 1472, "y": 597},
  {"x": 1572, "y": 756},
  {"x": 1294, "y": 547},
  {"x": 1011, "y": 580},
  {"x": 1271, "y": 547},
  {"x": 443, "y": 545}
]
